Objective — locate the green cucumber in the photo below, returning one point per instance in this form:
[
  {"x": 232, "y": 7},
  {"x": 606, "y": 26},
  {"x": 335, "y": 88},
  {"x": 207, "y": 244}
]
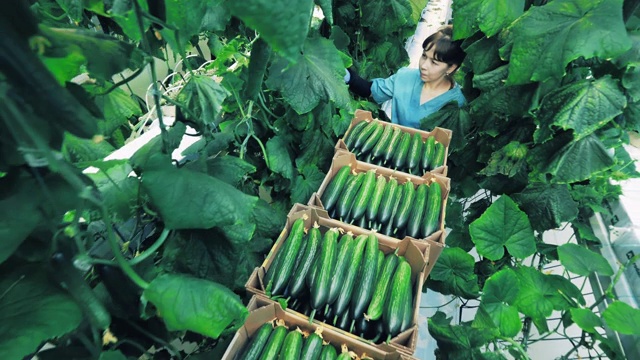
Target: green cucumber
[
  {"x": 376, "y": 306},
  {"x": 378, "y": 150},
  {"x": 427, "y": 156},
  {"x": 274, "y": 344},
  {"x": 404, "y": 210},
  {"x": 380, "y": 262},
  {"x": 400, "y": 155},
  {"x": 388, "y": 227},
  {"x": 438, "y": 157},
  {"x": 292, "y": 346},
  {"x": 351, "y": 137},
  {"x": 328, "y": 353},
  {"x": 331, "y": 194},
  {"x": 393, "y": 313},
  {"x": 344, "y": 356},
  {"x": 433, "y": 208},
  {"x": 387, "y": 202},
  {"x": 367, "y": 278},
  {"x": 389, "y": 150},
  {"x": 364, "y": 195},
  {"x": 290, "y": 249},
  {"x": 415, "y": 153},
  {"x": 363, "y": 136},
  {"x": 407, "y": 318},
  {"x": 375, "y": 200},
  {"x": 345, "y": 253},
  {"x": 372, "y": 140},
  {"x": 342, "y": 302},
  {"x": 360, "y": 327},
  {"x": 322, "y": 283},
  {"x": 257, "y": 342},
  {"x": 345, "y": 202},
  {"x": 343, "y": 322},
  {"x": 415, "y": 219},
  {"x": 312, "y": 347},
  {"x": 297, "y": 281}
]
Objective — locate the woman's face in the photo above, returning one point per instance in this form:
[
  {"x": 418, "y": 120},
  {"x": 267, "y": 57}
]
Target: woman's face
[{"x": 432, "y": 69}]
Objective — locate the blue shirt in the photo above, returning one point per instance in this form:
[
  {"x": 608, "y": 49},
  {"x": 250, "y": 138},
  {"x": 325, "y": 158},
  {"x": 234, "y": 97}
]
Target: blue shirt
[{"x": 403, "y": 89}]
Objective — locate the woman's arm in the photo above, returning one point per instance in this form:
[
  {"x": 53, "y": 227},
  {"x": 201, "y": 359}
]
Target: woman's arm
[{"x": 357, "y": 84}]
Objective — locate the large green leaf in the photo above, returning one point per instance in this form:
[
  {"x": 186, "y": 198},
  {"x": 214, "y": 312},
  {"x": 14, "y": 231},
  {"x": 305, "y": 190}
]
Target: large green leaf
[
  {"x": 203, "y": 96},
  {"x": 416, "y": 9},
  {"x": 192, "y": 200},
  {"x": 498, "y": 99},
  {"x": 452, "y": 117},
  {"x": 123, "y": 13},
  {"x": 33, "y": 310},
  {"x": 585, "y": 319},
  {"x": 582, "y": 261},
  {"x": 117, "y": 108},
  {"x": 466, "y": 20},
  {"x": 583, "y": 107},
  {"x": 456, "y": 337},
  {"x": 385, "y": 17},
  {"x": 546, "y": 38},
  {"x": 453, "y": 273},
  {"x": 578, "y": 160},
  {"x": 283, "y": 24},
  {"x": 230, "y": 169},
  {"x": 279, "y": 155},
  {"x": 188, "y": 303},
  {"x": 307, "y": 182},
  {"x": 18, "y": 214},
  {"x": 503, "y": 225},
  {"x": 73, "y": 8},
  {"x": 483, "y": 55},
  {"x": 547, "y": 205},
  {"x": 269, "y": 219},
  {"x": 509, "y": 161},
  {"x": 499, "y": 293},
  {"x": 630, "y": 81},
  {"x": 187, "y": 20},
  {"x": 67, "y": 67},
  {"x": 494, "y": 15},
  {"x": 317, "y": 76},
  {"x": 215, "y": 17},
  {"x": 208, "y": 255},
  {"x": 327, "y": 9},
  {"x": 106, "y": 55},
  {"x": 119, "y": 190},
  {"x": 622, "y": 318},
  {"x": 540, "y": 294}
]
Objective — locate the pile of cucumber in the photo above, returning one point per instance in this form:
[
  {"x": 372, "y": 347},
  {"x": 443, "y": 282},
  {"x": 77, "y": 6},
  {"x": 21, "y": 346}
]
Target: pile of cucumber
[
  {"x": 278, "y": 342},
  {"x": 384, "y": 205},
  {"x": 347, "y": 282},
  {"x": 386, "y": 145}
]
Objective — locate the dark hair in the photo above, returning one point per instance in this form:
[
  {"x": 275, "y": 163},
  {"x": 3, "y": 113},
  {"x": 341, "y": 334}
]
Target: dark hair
[{"x": 445, "y": 49}]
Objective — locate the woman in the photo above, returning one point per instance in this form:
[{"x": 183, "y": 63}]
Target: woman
[{"x": 417, "y": 93}]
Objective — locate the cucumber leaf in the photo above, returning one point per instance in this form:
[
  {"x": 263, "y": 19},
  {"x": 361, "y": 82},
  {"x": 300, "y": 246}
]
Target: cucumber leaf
[
  {"x": 201, "y": 306},
  {"x": 546, "y": 38},
  {"x": 283, "y": 24},
  {"x": 622, "y": 318},
  {"x": 453, "y": 273},
  {"x": 494, "y": 15},
  {"x": 496, "y": 311},
  {"x": 585, "y": 319},
  {"x": 503, "y": 225},
  {"x": 547, "y": 205},
  {"x": 582, "y": 261},
  {"x": 306, "y": 183},
  {"x": 317, "y": 76},
  {"x": 385, "y": 17},
  {"x": 33, "y": 310}
]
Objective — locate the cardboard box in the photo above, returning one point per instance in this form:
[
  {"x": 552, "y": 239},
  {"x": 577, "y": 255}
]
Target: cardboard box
[
  {"x": 405, "y": 342},
  {"x": 262, "y": 310},
  {"x": 435, "y": 240},
  {"x": 442, "y": 135}
]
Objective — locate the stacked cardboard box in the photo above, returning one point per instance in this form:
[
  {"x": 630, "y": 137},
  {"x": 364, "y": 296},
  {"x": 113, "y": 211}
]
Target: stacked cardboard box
[{"x": 420, "y": 254}]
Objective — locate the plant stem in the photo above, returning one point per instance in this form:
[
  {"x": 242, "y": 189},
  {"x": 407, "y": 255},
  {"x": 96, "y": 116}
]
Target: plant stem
[
  {"x": 264, "y": 150},
  {"x": 628, "y": 8},
  {"x": 517, "y": 346},
  {"x": 124, "y": 81},
  {"x": 154, "y": 77},
  {"x": 122, "y": 262},
  {"x": 152, "y": 249}
]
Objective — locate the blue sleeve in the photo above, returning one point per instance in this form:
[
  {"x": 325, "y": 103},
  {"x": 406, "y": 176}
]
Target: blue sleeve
[{"x": 382, "y": 89}]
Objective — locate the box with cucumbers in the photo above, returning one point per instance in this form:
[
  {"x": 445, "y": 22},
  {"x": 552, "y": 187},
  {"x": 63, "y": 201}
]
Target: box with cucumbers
[
  {"x": 394, "y": 204},
  {"x": 346, "y": 278},
  {"x": 272, "y": 333},
  {"x": 396, "y": 147}
]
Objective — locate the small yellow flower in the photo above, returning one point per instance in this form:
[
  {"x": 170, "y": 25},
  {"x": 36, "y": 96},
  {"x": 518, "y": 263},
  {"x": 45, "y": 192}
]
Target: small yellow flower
[{"x": 108, "y": 337}]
